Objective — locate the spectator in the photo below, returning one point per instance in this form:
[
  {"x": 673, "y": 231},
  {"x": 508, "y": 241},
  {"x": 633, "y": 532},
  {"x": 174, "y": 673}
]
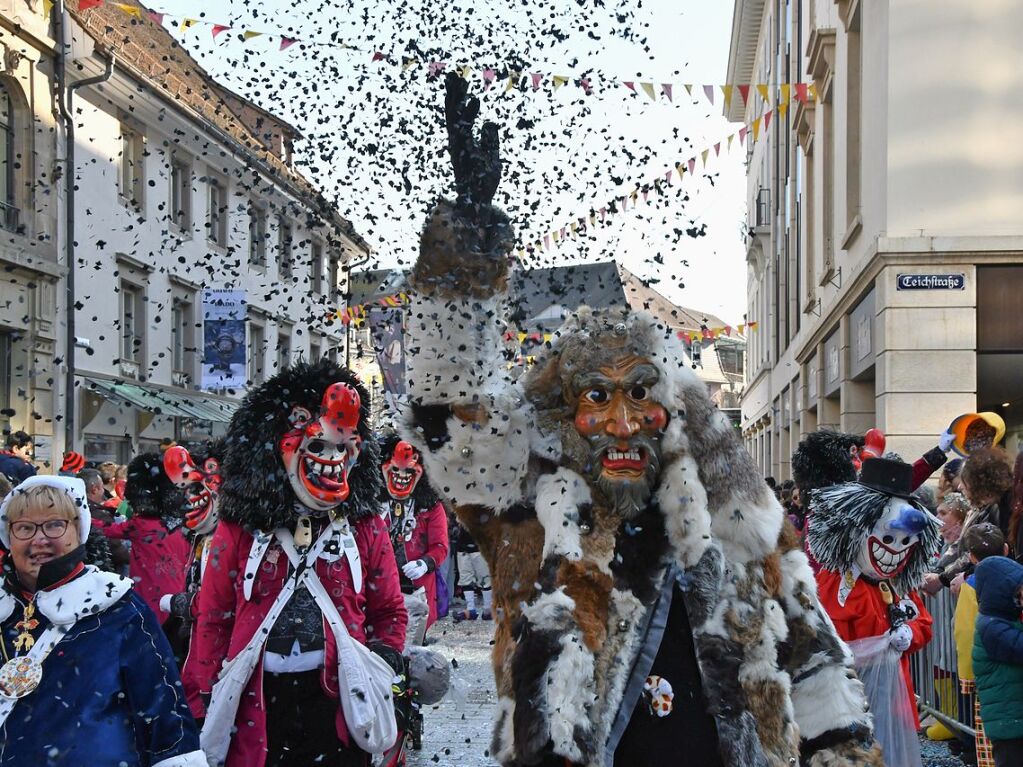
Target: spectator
[
  {"x": 473, "y": 577},
  {"x": 16, "y": 461},
  {"x": 987, "y": 482},
  {"x": 108, "y": 470},
  {"x": 119, "y": 554},
  {"x": 998, "y": 657},
  {"x": 1016, "y": 518},
  {"x": 72, "y": 464},
  {"x": 948, "y": 481},
  {"x": 952, "y": 512}
]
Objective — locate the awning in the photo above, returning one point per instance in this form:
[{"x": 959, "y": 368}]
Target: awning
[{"x": 161, "y": 402}]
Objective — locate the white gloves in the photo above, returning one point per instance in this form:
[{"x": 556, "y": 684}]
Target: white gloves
[
  {"x": 415, "y": 569},
  {"x": 945, "y": 441},
  {"x": 900, "y": 638}
]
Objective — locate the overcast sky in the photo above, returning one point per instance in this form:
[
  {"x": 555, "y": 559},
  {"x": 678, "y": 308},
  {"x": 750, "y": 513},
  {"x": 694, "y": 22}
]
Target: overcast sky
[{"x": 374, "y": 137}]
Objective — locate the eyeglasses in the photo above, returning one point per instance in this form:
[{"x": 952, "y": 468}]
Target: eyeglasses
[{"x": 24, "y": 530}]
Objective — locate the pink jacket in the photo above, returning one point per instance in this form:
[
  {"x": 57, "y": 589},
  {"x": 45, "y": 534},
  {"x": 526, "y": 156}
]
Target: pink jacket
[
  {"x": 159, "y": 559},
  {"x": 429, "y": 539},
  {"x": 227, "y": 620}
]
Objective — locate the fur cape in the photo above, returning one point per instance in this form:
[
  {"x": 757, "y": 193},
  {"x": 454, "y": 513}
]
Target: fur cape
[
  {"x": 150, "y": 492},
  {"x": 822, "y": 459},
  {"x": 423, "y": 496},
  {"x": 256, "y": 492}
]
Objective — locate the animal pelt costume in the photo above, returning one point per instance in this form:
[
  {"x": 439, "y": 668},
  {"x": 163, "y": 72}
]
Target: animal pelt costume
[
  {"x": 875, "y": 542},
  {"x": 417, "y": 521},
  {"x": 301, "y": 472},
  {"x": 596, "y": 585}
]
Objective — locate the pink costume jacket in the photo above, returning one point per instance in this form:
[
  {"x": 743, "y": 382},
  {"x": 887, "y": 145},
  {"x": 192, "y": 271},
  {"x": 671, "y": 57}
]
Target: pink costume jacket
[
  {"x": 227, "y": 621},
  {"x": 159, "y": 559},
  {"x": 429, "y": 539}
]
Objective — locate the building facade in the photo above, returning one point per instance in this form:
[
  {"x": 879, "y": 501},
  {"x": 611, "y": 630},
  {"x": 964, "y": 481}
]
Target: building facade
[{"x": 884, "y": 243}]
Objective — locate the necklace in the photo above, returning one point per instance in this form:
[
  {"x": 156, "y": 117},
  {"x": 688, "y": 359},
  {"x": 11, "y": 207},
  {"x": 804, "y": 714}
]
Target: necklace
[{"x": 20, "y": 675}]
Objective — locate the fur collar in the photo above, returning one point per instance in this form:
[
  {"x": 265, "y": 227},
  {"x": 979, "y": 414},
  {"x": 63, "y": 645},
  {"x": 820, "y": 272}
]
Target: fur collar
[{"x": 92, "y": 592}]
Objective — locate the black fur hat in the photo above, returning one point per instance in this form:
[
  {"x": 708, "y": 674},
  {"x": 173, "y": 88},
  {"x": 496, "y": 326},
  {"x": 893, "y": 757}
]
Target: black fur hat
[
  {"x": 822, "y": 459},
  {"x": 256, "y": 491},
  {"x": 150, "y": 492},
  {"x": 423, "y": 496}
]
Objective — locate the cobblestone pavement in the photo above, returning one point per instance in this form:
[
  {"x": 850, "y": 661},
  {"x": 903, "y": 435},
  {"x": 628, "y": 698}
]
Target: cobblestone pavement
[{"x": 457, "y": 730}]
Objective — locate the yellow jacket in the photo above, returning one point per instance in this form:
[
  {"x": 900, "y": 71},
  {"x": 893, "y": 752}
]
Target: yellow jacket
[{"x": 963, "y": 627}]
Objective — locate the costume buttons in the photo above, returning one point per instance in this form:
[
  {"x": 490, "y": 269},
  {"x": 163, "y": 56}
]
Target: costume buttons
[
  {"x": 623, "y": 624},
  {"x": 585, "y": 528},
  {"x": 466, "y": 452}
]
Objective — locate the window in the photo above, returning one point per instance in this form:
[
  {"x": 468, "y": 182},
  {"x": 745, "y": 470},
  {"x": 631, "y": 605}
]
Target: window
[
  {"x": 182, "y": 342},
  {"x": 132, "y": 322},
  {"x": 216, "y": 215},
  {"x": 8, "y": 162},
  {"x": 854, "y": 85},
  {"x": 333, "y": 265},
  {"x": 257, "y": 235},
  {"x": 257, "y": 351},
  {"x": 315, "y": 351},
  {"x": 283, "y": 348},
  {"x": 132, "y": 175},
  {"x": 285, "y": 238},
  {"x": 316, "y": 268},
  {"x": 181, "y": 194}
]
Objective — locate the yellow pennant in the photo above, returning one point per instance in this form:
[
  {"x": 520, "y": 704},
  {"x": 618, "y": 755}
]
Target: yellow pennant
[
  {"x": 688, "y": 87},
  {"x": 730, "y": 140},
  {"x": 186, "y": 23},
  {"x": 726, "y": 91},
  {"x": 704, "y": 154},
  {"x": 555, "y": 235},
  {"x": 762, "y": 90},
  {"x": 465, "y": 72},
  {"x": 785, "y": 91},
  {"x": 559, "y": 80},
  {"x": 249, "y": 34},
  {"x": 756, "y": 129},
  {"x": 47, "y": 7},
  {"x": 811, "y": 91},
  {"x": 782, "y": 109},
  {"x": 681, "y": 169},
  {"x": 648, "y": 89},
  {"x": 407, "y": 63},
  {"x": 131, "y": 10},
  {"x": 513, "y": 80}
]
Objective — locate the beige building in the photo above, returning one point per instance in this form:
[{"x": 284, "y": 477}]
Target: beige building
[{"x": 885, "y": 243}]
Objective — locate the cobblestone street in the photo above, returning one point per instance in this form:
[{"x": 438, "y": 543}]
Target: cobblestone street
[{"x": 457, "y": 730}]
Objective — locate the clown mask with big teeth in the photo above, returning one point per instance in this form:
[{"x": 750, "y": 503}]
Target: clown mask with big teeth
[
  {"x": 320, "y": 449},
  {"x": 890, "y": 545},
  {"x": 402, "y": 471},
  {"x": 200, "y": 484}
]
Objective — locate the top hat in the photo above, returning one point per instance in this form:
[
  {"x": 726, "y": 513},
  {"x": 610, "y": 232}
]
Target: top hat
[
  {"x": 960, "y": 425},
  {"x": 888, "y": 477}
]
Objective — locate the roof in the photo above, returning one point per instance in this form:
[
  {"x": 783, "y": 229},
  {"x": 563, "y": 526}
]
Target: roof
[
  {"x": 742, "y": 53},
  {"x": 153, "y": 55},
  {"x": 644, "y": 297}
]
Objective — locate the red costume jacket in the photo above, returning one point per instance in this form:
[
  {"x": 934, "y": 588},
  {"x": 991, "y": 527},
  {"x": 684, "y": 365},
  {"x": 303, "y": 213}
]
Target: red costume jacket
[
  {"x": 429, "y": 539},
  {"x": 159, "y": 560},
  {"x": 227, "y": 620},
  {"x": 865, "y": 614}
]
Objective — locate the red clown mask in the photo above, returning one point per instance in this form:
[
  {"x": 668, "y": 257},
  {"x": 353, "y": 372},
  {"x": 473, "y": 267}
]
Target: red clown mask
[
  {"x": 402, "y": 471},
  {"x": 201, "y": 485},
  {"x": 319, "y": 451}
]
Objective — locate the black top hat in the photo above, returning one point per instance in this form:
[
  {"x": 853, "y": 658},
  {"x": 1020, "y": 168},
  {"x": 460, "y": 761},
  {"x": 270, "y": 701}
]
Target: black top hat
[{"x": 887, "y": 476}]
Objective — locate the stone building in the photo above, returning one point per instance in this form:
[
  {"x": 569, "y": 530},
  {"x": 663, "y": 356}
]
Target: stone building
[{"x": 885, "y": 245}]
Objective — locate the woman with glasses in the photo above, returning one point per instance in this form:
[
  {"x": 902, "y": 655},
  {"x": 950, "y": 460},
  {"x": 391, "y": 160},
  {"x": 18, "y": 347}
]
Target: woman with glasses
[{"x": 86, "y": 675}]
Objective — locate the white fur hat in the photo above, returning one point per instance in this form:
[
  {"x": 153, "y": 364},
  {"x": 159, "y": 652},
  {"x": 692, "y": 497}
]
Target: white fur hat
[{"x": 73, "y": 486}]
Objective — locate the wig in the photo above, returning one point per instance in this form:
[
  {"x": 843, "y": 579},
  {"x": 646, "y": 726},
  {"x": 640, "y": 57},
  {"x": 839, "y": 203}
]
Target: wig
[
  {"x": 257, "y": 492},
  {"x": 823, "y": 459},
  {"x": 150, "y": 492}
]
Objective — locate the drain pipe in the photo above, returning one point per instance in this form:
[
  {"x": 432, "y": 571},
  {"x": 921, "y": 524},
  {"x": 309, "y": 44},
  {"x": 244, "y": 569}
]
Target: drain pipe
[{"x": 65, "y": 101}]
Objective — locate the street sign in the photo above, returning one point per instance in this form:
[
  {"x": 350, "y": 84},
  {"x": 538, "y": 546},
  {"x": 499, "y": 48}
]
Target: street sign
[{"x": 931, "y": 282}]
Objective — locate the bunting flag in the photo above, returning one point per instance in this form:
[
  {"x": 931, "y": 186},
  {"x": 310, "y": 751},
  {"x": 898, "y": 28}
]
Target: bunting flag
[
  {"x": 85, "y": 5},
  {"x": 287, "y": 42},
  {"x": 248, "y": 34},
  {"x": 354, "y": 312},
  {"x": 710, "y": 334},
  {"x": 218, "y": 28},
  {"x": 186, "y": 23},
  {"x": 131, "y": 10}
]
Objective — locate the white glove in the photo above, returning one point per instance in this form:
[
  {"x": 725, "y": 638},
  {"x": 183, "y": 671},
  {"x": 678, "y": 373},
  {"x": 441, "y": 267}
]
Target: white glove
[
  {"x": 414, "y": 570},
  {"x": 900, "y": 638},
  {"x": 945, "y": 441}
]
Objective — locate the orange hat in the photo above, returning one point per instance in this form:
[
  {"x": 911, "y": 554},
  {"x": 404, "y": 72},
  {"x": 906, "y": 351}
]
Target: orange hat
[
  {"x": 960, "y": 425},
  {"x": 73, "y": 462}
]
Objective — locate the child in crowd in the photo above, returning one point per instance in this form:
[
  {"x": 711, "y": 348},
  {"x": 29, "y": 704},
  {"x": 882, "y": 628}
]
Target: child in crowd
[
  {"x": 998, "y": 656},
  {"x": 473, "y": 576}
]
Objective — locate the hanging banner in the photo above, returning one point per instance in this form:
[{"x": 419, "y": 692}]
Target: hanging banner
[
  {"x": 223, "y": 360},
  {"x": 388, "y": 334}
]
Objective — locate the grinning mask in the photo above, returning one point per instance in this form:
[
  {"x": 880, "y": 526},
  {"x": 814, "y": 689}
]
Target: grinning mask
[
  {"x": 321, "y": 448},
  {"x": 402, "y": 471},
  {"x": 889, "y": 547},
  {"x": 199, "y": 483}
]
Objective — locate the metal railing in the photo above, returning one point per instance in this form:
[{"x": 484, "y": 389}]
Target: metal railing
[{"x": 935, "y": 671}]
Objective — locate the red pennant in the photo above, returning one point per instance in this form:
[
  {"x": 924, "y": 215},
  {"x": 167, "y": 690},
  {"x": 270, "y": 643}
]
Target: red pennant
[
  {"x": 742, "y": 134},
  {"x": 667, "y": 177},
  {"x": 435, "y": 68},
  {"x": 218, "y": 28},
  {"x": 744, "y": 92},
  {"x": 666, "y": 89},
  {"x": 287, "y": 42},
  {"x": 801, "y": 92},
  {"x": 377, "y": 56},
  {"x": 489, "y": 75},
  {"x": 155, "y": 16},
  {"x": 630, "y": 85},
  {"x": 692, "y": 165},
  {"x": 84, "y": 5},
  {"x": 603, "y": 213},
  {"x": 536, "y": 77},
  {"x": 585, "y": 85},
  {"x": 717, "y": 149},
  {"x": 767, "y": 119}
]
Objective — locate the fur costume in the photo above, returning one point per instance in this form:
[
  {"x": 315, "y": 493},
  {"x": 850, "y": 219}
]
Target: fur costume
[
  {"x": 583, "y": 589},
  {"x": 824, "y": 458}
]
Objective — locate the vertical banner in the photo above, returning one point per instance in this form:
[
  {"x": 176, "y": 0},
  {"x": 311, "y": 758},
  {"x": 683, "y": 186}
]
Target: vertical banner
[
  {"x": 386, "y": 327},
  {"x": 223, "y": 358}
]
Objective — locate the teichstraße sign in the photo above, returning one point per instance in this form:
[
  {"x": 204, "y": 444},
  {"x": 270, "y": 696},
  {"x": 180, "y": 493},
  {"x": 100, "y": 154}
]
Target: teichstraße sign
[{"x": 931, "y": 282}]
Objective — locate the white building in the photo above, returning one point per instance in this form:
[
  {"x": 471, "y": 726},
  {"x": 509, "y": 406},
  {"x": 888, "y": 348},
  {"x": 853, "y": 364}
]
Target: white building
[
  {"x": 182, "y": 185},
  {"x": 908, "y": 165}
]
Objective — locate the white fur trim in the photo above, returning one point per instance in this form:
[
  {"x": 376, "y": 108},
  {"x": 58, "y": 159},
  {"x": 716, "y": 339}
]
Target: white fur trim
[
  {"x": 73, "y": 486},
  {"x": 828, "y": 700},
  {"x": 570, "y": 694},
  {"x": 191, "y": 759},
  {"x": 683, "y": 503},
  {"x": 7, "y": 605},
  {"x": 91, "y": 592},
  {"x": 547, "y": 610},
  {"x": 558, "y": 498},
  {"x": 504, "y": 730}
]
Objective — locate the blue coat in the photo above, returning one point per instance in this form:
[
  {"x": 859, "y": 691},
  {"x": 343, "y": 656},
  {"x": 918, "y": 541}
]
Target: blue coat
[
  {"x": 110, "y": 693},
  {"x": 14, "y": 468},
  {"x": 998, "y": 648}
]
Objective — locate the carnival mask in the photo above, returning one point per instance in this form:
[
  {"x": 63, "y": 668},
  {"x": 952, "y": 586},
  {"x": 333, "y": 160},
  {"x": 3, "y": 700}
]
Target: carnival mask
[
  {"x": 320, "y": 450},
  {"x": 622, "y": 423},
  {"x": 200, "y": 484},
  {"x": 889, "y": 547},
  {"x": 402, "y": 471}
]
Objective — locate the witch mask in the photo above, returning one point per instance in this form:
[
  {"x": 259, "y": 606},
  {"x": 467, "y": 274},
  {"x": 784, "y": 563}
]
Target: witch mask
[
  {"x": 321, "y": 448},
  {"x": 402, "y": 471},
  {"x": 201, "y": 485}
]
